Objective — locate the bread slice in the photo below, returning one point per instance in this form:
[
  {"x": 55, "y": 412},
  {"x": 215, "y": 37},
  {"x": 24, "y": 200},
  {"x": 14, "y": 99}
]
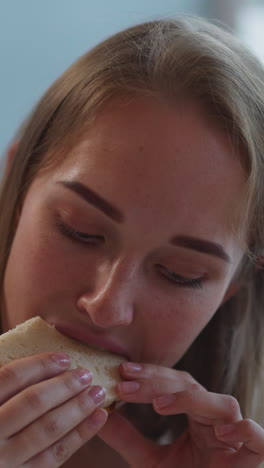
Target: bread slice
[{"x": 37, "y": 336}]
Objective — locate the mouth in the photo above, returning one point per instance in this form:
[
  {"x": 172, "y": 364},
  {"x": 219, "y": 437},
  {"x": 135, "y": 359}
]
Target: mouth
[{"x": 100, "y": 343}]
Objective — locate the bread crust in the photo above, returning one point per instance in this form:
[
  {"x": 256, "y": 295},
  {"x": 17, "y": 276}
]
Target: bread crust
[{"x": 37, "y": 336}]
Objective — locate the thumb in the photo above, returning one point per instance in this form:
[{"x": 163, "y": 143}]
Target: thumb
[{"x": 123, "y": 437}]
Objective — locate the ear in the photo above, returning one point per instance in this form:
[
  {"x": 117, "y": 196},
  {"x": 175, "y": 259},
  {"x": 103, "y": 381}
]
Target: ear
[{"x": 11, "y": 152}]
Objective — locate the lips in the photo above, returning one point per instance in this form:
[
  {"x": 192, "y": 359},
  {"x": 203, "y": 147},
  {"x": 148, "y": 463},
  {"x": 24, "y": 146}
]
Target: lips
[{"x": 95, "y": 341}]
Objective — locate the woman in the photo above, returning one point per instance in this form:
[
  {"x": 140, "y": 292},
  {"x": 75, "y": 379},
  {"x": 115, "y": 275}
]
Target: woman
[{"x": 132, "y": 216}]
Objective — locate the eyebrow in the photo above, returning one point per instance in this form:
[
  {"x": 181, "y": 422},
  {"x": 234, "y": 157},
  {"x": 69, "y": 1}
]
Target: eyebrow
[
  {"x": 94, "y": 199},
  {"x": 114, "y": 213},
  {"x": 201, "y": 245}
]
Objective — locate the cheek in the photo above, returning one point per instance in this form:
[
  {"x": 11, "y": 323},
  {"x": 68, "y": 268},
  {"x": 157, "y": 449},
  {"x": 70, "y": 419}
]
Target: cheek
[
  {"x": 37, "y": 268},
  {"x": 44, "y": 266},
  {"x": 175, "y": 323}
]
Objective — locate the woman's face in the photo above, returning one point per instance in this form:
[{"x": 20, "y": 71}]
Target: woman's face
[{"x": 128, "y": 243}]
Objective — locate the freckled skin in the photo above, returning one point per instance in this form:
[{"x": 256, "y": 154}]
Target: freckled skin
[{"x": 167, "y": 170}]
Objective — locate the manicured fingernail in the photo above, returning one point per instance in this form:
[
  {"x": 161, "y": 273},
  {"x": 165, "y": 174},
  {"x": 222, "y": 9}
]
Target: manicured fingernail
[
  {"x": 97, "y": 394},
  {"x": 61, "y": 359},
  {"x": 128, "y": 387},
  {"x": 83, "y": 375},
  {"x": 132, "y": 367},
  {"x": 224, "y": 429},
  {"x": 163, "y": 401}
]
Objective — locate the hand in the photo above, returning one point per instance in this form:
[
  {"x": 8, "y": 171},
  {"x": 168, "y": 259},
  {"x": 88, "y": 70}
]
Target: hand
[
  {"x": 46, "y": 411},
  {"x": 204, "y": 444}
]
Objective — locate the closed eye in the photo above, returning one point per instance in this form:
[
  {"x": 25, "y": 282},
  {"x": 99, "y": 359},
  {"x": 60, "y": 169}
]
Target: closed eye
[
  {"x": 94, "y": 239},
  {"x": 196, "y": 283},
  {"x": 78, "y": 236}
]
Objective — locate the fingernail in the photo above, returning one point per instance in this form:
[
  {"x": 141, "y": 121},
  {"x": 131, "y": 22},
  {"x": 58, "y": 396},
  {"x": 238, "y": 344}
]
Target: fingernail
[
  {"x": 83, "y": 375},
  {"x": 128, "y": 387},
  {"x": 97, "y": 394},
  {"x": 163, "y": 401},
  {"x": 224, "y": 429},
  {"x": 132, "y": 366},
  {"x": 61, "y": 359}
]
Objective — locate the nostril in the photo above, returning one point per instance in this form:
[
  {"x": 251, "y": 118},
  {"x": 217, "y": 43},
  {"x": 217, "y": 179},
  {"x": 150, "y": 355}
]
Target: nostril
[{"x": 82, "y": 310}]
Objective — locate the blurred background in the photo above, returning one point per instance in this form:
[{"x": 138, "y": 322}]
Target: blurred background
[{"x": 39, "y": 39}]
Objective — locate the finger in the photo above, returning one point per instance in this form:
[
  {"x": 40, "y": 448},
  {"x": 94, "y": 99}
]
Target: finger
[
  {"x": 146, "y": 381},
  {"x": 246, "y": 431},
  {"x": 128, "y": 442},
  {"x": 61, "y": 451},
  {"x": 245, "y": 459},
  {"x": 51, "y": 427},
  {"x": 201, "y": 406},
  {"x": 21, "y": 373},
  {"x": 38, "y": 399},
  {"x": 175, "y": 392}
]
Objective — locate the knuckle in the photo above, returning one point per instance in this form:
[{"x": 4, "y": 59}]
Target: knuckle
[
  {"x": 232, "y": 406},
  {"x": 45, "y": 363},
  {"x": 191, "y": 396},
  {"x": 7, "y": 374},
  {"x": 51, "y": 427},
  {"x": 248, "y": 428},
  {"x": 187, "y": 377},
  {"x": 60, "y": 452},
  {"x": 194, "y": 387},
  {"x": 33, "y": 398}
]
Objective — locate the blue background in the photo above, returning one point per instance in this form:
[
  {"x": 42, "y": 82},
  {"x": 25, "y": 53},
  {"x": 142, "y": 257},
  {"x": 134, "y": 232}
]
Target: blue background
[{"x": 39, "y": 39}]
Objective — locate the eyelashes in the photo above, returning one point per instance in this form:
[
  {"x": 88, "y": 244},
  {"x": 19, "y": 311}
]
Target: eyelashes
[
  {"x": 78, "y": 236},
  {"x": 195, "y": 283},
  {"x": 94, "y": 240}
]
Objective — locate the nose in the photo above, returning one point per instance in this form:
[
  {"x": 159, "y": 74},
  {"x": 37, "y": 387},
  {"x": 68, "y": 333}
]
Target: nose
[{"x": 110, "y": 302}]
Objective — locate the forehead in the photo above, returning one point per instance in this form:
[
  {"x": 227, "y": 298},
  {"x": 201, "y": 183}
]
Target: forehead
[{"x": 147, "y": 155}]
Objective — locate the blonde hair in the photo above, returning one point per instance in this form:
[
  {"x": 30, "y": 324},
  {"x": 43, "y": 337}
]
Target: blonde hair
[{"x": 187, "y": 56}]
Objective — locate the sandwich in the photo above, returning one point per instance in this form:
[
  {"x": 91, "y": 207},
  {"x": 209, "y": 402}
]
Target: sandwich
[{"x": 37, "y": 336}]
